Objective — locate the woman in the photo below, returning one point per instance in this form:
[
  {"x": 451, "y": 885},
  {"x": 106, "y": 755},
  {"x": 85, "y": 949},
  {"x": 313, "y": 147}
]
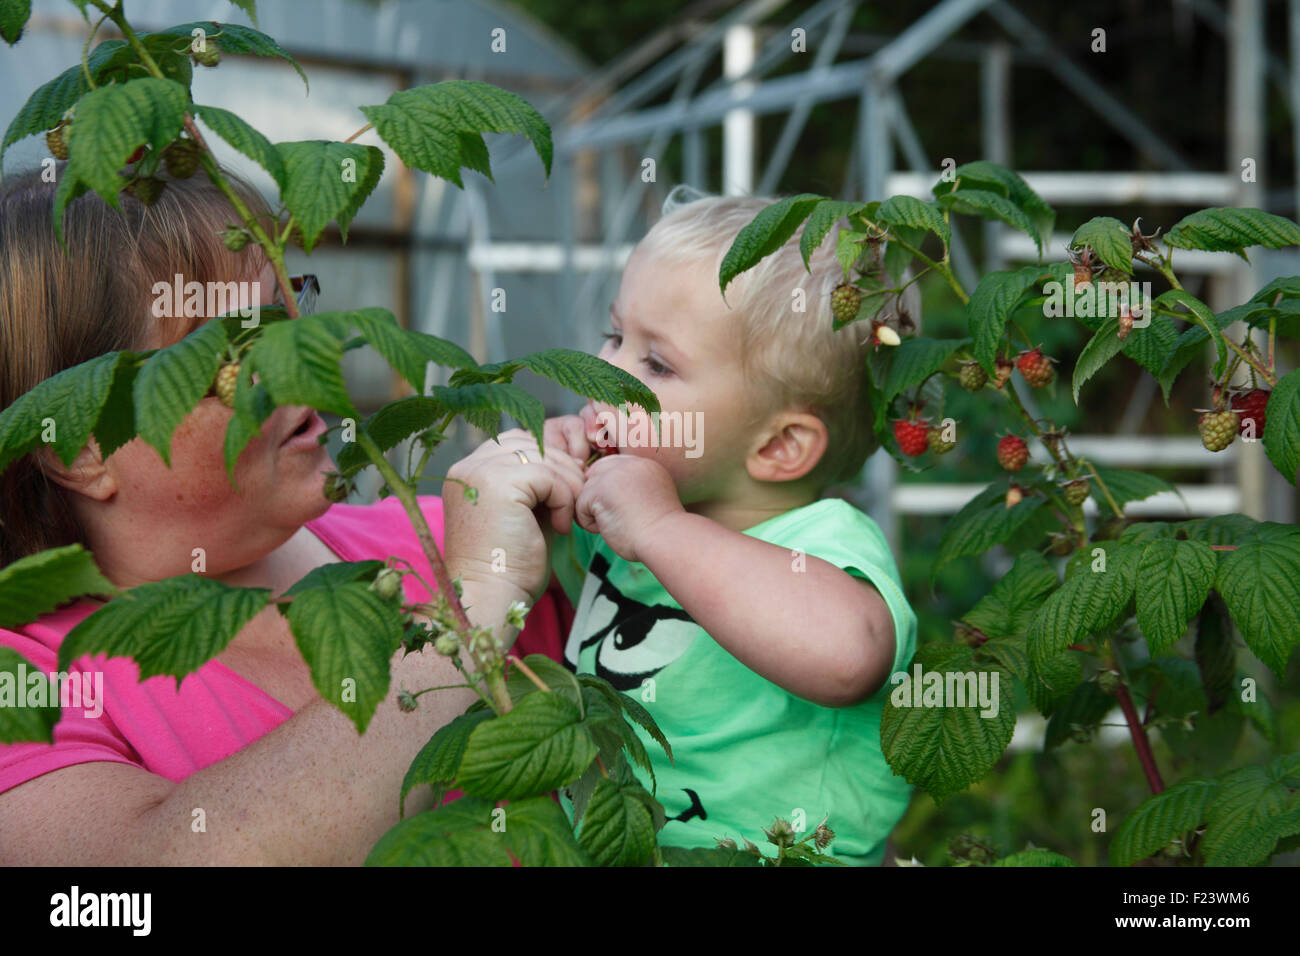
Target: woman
[{"x": 246, "y": 763}]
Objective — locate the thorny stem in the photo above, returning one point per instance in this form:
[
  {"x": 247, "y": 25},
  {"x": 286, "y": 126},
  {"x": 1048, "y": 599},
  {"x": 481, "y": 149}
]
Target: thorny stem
[{"x": 1140, "y": 741}]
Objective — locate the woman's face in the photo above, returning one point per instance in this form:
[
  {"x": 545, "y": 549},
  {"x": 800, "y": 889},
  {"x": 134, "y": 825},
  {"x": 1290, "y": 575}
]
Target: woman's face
[{"x": 149, "y": 518}]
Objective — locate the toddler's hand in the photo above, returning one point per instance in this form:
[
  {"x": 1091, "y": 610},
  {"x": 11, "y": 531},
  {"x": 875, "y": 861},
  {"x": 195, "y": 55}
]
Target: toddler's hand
[{"x": 622, "y": 498}]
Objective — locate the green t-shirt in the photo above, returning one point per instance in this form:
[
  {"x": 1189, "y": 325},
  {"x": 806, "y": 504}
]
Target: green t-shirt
[{"x": 745, "y": 750}]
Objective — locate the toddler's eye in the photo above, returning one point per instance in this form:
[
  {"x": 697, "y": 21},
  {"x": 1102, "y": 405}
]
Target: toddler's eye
[
  {"x": 656, "y": 368},
  {"x": 616, "y": 336}
]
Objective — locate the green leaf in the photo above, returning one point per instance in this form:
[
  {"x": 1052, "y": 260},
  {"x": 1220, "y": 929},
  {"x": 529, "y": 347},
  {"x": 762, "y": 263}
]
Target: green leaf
[
  {"x": 116, "y": 424},
  {"x": 299, "y": 362},
  {"x": 173, "y": 381},
  {"x": 1251, "y": 810},
  {"x": 1005, "y": 182},
  {"x": 910, "y": 211},
  {"x": 1084, "y": 709},
  {"x": 407, "y": 351},
  {"x": 767, "y": 233},
  {"x": 249, "y": 7},
  {"x": 1202, "y": 316},
  {"x": 992, "y": 303},
  {"x": 590, "y": 377},
  {"x": 1087, "y": 602},
  {"x": 1035, "y": 857},
  {"x": 1175, "y": 684},
  {"x": 173, "y": 627},
  {"x": 915, "y": 360},
  {"x": 13, "y": 17},
  {"x": 327, "y": 181},
  {"x": 1101, "y": 348},
  {"x": 71, "y": 403},
  {"x": 335, "y": 575},
  {"x": 19, "y": 722},
  {"x": 989, "y": 205},
  {"x": 1216, "y": 654},
  {"x": 944, "y": 749},
  {"x": 1186, "y": 347},
  {"x": 39, "y": 583},
  {"x": 848, "y": 244},
  {"x": 46, "y": 106},
  {"x": 1282, "y": 426},
  {"x": 539, "y": 834},
  {"x": 553, "y": 674},
  {"x": 1151, "y": 344},
  {"x": 437, "y": 127},
  {"x": 1126, "y": 486},
  {"x": 1160, "y": 820},
  {"x": 253, "y": 405},
  {"x": 538, "y": 746},
  {"x": 238, "y": 39},
  {"x": 110, "y": 124},
  {"x": 618, "y": 826},
  {"x": 630, "y": 706},
  {"x": 438, "y": 761},
  {"x": 511, "y": 399},
  {"x": 389, "y": 426},
  {"x": 1221, "y": 529},
  {"x": 1173, "y": 581},
  {"x": 244, "y": 138},
  {"x": 1009, "y": 608},
  {"x": 823, "y": 219},
  {"x": 1110, "y": 240},
  {"x": 706, "y": 856},
  {"x": 613, "y": 734},
  {"x": 347, "y": 634},
  {"x": 1260, "y": 583},
  {"x": 453, "y": 835},
  {"x": 897, "y": 255},
  {"x": 984, "y": 521},
  {"x": 1233, "y": 230}
]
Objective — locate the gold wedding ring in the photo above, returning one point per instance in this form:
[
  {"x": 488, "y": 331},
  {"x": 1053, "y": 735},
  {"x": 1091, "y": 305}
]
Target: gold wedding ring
[{"x": 521, "y": 456}]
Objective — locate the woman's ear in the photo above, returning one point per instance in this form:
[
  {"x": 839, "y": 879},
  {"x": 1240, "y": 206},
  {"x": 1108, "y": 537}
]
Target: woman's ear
[
  {"x": 792, "y": 445},
  {"x": 87, "y": 475}
]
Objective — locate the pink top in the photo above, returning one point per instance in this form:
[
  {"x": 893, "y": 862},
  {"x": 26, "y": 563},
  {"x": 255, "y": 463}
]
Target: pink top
[{"x": 173, "y": 733}]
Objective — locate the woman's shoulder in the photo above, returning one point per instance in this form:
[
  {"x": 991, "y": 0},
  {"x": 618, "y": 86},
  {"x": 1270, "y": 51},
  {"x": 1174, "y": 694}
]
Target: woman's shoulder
[{"x": 375, "y": 530}]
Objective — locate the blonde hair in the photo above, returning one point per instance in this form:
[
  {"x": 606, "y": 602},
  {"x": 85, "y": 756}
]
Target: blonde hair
[
  {"x": 796, "y": 359},
  {"x": 59, "y": 308}
]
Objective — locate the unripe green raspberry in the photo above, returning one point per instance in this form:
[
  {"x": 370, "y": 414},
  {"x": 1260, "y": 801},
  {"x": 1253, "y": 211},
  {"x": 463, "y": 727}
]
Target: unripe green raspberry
[
  {"x": 1108, "y": 682},
  {"x": 209, "y": 56},
  {"x": 234, "y": 238},
  {"x": 972, "y": 376},
  {"x": 1218, "y": 429},
  {"x": 56, "y": 140},
  {"x": 181, "y": 158},
  {"x": 1076, "y": 492},
  {"x": 387, "y": 584},
  {"x": 448, "y": 645},
  {"x": 845, "y": 301},
  {"x": 147, "y": 189},
  {"x": 336, "y": 487}
]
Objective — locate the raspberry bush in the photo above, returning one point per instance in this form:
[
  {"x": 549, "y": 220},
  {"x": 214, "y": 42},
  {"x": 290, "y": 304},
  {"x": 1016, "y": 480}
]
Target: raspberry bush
[
  {"x": 1104, "y": 611},
  {"x": 119, "y": 117}
]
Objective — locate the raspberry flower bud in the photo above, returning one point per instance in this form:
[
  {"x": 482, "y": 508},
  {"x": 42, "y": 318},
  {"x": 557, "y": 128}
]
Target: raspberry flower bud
[
  {"x": 516, "y": 614},
  {"x": 823, "y": 836},
  {"x": 406, "y": 701},
  {"x": 780, "y": 833},
  {"x": 388, "y": 584}
]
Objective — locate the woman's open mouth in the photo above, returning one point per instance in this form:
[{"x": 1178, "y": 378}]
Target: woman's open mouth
[{"x": 307, "y": 433}]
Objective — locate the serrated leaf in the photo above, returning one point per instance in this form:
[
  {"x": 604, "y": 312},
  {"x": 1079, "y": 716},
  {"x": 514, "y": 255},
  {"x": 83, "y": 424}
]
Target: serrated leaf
[
  {"x": 706, "y": 856},
  {"x": 244, "y": 138},
  {"x": 618, "y": 826},
  {"x": 1036, "y": 857},
  {"x": 335, "y": 575},
  {"x": 613, "y": 734},
  {"x": 327, "y": 181},
  {"x": 590, "y": 377},
  {"x": 944, "y": 749},
  {"x": 39, "y": 583},
  {"x": 823, "y": 219},
  {"x": 494, "y": 398},
  {"x": 848, "y": 246},
  {"x": 1009, "y": 608},
  {"x": 348, "y": 635},
  {"x": 169, "y": 627},
  {"x": 912, "y": 212},
  {"x": 1126, "y": 486},
  {"x": 299, "y": 362},
  {"x": 116, "y": 424},
  {"x": 1216, "y": 654},
  {"x": 253, "y": 405},
  {"x": 1151, "y": 344},
  {"x": 1160, "y": 820},
  {"x": 1228, "y": 229},
  {"x": 767, "y": 233},
  {"x": 1260, "y": 583},
  {"x": 1004, "y": 182},
  {"x": 1250, "y": 811},
  {"x": 553, "y": 674},
  {"x": 389, "y": 426},
  {"x": 1082, "y": 710},
  {"x": 538, "y": 746},
  {"x": 13, "y": 17},
  {"x": 1087, "y": 602},
  {"x": 916, "y": 360},
  {"x": 1173, "y": 581},
  {"x": 45, "y": 107},
  {"x": 73, "y": 400},
  {"x": 538, "y": 833},
  {"x": 1221, "y": 529},
  {"x": 992, "y": 303},
  {"x": 457, "y": 834},
  {"x": 983, "y": 522},
  {"x": 1109, "y": 239},
  {"x": 249, "y": 7},
  {"x": 437, "y": 127},
  {"x": 110, "y": 124},
  {"x": 172, "y": 382},
  {"x": 1282, "y": 426},
  {"x": 897, "y": 254},
  {"x": 1200, "y": 314},
  {"x": 407, "y": 351},
  {"x": 631, "y": 706},
  {"x": 238, "y": 39},
  {"x": 989, "y": 205},
  {"x": 1101, "y": 348},
  {"x": 438, "y": 761},
  {"x": 19, "y": 722}
]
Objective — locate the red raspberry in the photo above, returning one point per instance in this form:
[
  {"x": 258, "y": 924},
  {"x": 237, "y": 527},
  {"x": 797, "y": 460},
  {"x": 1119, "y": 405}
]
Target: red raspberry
[
  {"x": 913, "y": 436},
  {"x": 1012, "y": 453},
  {"x": 1250, "y": 407},
  {"x": 1003, "y": 368},
  {"x": 1036, "y": 368}
]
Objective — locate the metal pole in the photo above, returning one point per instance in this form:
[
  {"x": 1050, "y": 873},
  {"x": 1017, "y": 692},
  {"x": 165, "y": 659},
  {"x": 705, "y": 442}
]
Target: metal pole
[
  {"x": 995, "y": 130},
  {"x": 739, "y": 129}
]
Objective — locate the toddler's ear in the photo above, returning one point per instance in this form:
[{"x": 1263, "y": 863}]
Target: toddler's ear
[{"x": 790, "y": 447}]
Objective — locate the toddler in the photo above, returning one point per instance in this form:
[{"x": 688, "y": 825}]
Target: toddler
[{"x": 757, "y": 621}]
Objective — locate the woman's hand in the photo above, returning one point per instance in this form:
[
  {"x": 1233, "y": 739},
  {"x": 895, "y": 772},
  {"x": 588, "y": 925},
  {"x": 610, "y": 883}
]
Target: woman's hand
[
  {"x": 497, "y": 541},
  {"x": 568, "y": 432}
]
